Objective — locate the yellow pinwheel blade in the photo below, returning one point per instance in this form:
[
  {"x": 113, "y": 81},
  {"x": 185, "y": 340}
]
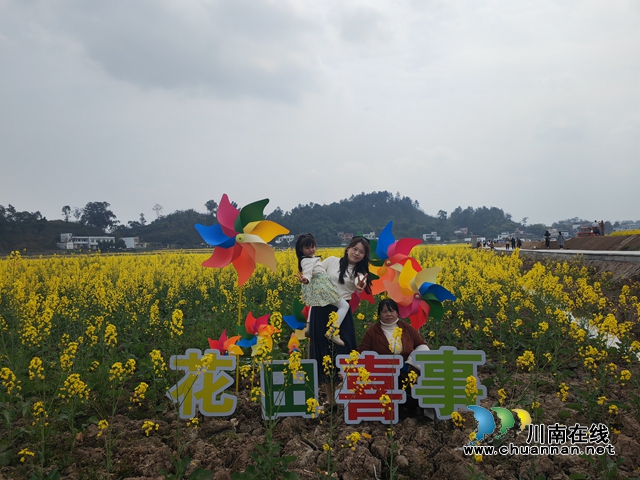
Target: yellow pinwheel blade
[
  {"x": 407, "y": 274},
  {"x": 265, "y": 229},
  {"x": 427, "y": 275},
  {"x": 235, "y": 350}
]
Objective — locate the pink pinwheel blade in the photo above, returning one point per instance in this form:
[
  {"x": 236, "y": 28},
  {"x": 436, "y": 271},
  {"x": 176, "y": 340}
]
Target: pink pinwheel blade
[
  {"x": 227, "y": 215},
  {"x": 262, "y": 321},
  {"x": 406, "y": 311},
  {"x": 398, "y": 294}
]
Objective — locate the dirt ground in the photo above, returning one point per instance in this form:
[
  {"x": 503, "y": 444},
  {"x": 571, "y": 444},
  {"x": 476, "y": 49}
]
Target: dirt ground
[{"x": 426, "y": 449}]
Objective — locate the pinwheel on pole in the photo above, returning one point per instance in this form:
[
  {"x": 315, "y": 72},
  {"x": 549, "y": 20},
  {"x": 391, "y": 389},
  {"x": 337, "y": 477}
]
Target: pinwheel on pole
[
  {"x": 241, "y": 238},
  {"x": 228, "y": 346}
]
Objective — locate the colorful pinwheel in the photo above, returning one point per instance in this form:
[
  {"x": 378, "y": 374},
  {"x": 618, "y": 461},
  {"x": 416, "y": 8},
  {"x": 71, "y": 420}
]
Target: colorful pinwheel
[
  {"x": 256, "y": 331},
  {"x": 389, "y": 257},
  {"x": 298, "y": 320},
  {"x": 241, "y": 237},
  {"x": 418, "y": 295},
  {"x": 414, "y": 290},
  {"x": 226, "y": 345}
]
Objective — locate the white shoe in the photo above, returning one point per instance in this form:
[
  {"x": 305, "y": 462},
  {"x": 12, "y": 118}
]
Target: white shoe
[{"x": 335, "y": 339}]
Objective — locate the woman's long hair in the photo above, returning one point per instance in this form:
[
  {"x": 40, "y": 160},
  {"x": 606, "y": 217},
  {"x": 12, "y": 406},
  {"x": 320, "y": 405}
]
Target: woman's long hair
[{"x": 361, "y": 267}]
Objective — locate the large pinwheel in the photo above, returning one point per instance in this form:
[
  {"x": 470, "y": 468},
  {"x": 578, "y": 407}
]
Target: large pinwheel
[
  {"x": 241, "y": 238},
  {"x": 414, "y": 290},
  {"x": 389, "y": 258},
  {"x": 418, "y": 295}
]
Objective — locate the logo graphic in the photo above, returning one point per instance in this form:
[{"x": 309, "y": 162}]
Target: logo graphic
[{"x": 487, "y": 425}]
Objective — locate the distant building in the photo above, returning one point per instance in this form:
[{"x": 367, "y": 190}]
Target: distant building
[
  {"x": 345, "y": 237},
  {"x": 285, "y": 238},
  {"x": 133, "y": 242},
  {"x": 370, "y": 235},
  {"x": 430, "y": 236},
  {"x": 70, "y": 242},
  {"x": 627, "y": 226}
]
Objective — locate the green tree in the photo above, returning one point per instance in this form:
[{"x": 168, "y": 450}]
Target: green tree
[
  {"x": 212, "y": 207},
  {"x": 97, "y": 214},
  {"x": 66, "y": 212}
]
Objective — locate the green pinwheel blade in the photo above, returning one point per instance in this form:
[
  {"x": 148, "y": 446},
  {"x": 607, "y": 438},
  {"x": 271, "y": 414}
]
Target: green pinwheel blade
[
  {"x": 374, "y": 259},
  {"x": 242, "y": 331},
  {"x": 298, "y": 306},
  {"x": 436, "y": 311},
  {"x": 254, "y": 212},
  {"x": 429, "y": 296}
]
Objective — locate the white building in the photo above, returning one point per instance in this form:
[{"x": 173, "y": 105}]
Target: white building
[
  {"x": 627, "y": 226},
  {"x": 133, "y": 242},
  {"x": 431, "y": 236},
  {"x": 284, "y": 238},
  {"x": 69, "y": 242}
]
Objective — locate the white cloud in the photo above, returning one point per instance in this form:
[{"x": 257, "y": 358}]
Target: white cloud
[{"x": 451, "y": 103}]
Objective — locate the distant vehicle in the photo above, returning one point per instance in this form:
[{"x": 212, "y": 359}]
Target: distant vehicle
[{"x": 586, "y": 231}]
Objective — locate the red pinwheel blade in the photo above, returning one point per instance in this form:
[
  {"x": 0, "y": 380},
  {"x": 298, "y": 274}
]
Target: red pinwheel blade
[
  {"x": 403, "y": 246},
  {"x": 250, "y": 324},
  {"x": 244, "y": 263},
  {"x": 420, "y": 317},
  {"x": 220, "y": 258},
  {"x": 262, "y": 321}
]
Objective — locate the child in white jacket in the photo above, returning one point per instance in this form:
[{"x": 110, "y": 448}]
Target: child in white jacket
[{"x": 317, "y": 288}]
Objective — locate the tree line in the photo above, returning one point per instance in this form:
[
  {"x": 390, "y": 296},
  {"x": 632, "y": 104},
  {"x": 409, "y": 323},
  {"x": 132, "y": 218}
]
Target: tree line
[{"x": 358, "y": 214}]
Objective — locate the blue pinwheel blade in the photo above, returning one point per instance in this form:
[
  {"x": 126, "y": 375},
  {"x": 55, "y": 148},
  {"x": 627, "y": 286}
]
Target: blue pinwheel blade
[
  {"x": 385, "y": 239},
  {"x": 243, "y": 342},
  {"x": 439, "y": 291},
  {"x": 293, "y": 322},
  {"x": 214, "y": 236}
]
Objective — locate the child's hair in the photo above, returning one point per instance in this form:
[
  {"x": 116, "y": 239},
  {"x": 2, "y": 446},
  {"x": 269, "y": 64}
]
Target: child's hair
[{"x": 307, "y": 240}]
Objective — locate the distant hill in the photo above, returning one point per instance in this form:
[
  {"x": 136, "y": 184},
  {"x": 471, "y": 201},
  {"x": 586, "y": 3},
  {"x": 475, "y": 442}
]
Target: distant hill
[
  {"x": 362, "y": 213},
  {"x": 38, "y": 235}
]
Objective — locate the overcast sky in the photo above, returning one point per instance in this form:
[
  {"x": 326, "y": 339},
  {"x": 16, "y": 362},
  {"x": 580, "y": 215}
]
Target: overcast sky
[{"x": 529, "y": 106}]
